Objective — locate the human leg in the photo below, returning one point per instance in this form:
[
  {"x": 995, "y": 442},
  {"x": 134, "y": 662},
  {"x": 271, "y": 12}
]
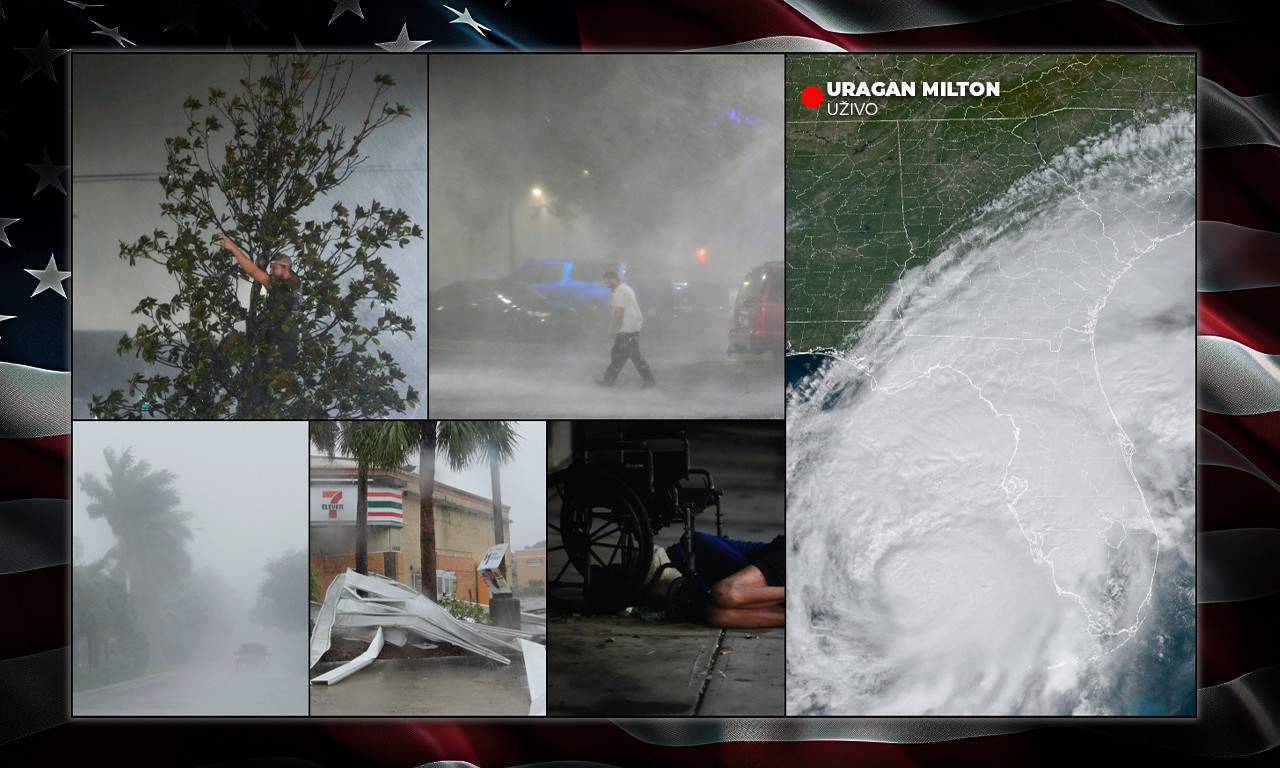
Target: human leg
[
  {"x": 745, "y": 599},
  {"x": 641, "y": 366},
  {"x": 716, "y": 557},
  {"x": 747, "y": 618},
  {"x": 617, "y": 359}
]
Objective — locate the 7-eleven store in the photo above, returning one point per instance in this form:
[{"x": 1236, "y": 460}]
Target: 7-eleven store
[
  {"x": 464, "y": 528},
  {"x": 334, "y": 495}
]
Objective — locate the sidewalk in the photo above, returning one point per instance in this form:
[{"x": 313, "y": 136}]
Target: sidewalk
[
  {"x": 606, "y": 666},
  {"x": 457, "y": 685}
]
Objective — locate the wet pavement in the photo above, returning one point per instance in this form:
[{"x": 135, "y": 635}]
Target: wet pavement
[
  {"x": 611, "y": 666},
  {"x": 443, "y": 686},
  {"x": 616, "y": 665},
  {"x": 202, "y": 691},
  {"x": 541, "y": 381}
]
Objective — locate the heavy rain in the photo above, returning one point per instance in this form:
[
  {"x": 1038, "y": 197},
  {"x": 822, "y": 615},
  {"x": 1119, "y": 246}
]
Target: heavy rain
[
  {"x": 189, "y": 569},
  {"x": 547, "y": 172}
]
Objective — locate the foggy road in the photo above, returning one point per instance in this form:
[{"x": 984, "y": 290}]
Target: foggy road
[
  {"x": 212, "y": 690},
  {"x": 537, "y": 381}
]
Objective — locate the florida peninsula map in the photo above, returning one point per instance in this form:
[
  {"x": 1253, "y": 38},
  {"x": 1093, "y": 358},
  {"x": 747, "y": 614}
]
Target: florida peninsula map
[{"x": 990, "y": 269}]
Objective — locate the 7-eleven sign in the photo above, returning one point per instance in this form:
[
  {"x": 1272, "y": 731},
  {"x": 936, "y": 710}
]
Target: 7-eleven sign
[
  {"x": 334, "y": 504},
  {"x": 332, "y": 501}
]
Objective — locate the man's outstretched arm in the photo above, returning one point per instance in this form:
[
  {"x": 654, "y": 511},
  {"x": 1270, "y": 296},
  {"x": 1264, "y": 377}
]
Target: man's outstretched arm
[{"x": 251, "y": 269}]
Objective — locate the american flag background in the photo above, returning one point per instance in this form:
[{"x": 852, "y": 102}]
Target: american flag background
[{"x": 1238, "y": 355}]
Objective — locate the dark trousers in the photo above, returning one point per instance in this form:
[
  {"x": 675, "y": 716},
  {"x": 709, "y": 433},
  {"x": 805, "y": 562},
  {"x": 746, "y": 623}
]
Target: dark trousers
[
  {"x": 719, "y": 558},
  {"x": 626, "y": 346}
]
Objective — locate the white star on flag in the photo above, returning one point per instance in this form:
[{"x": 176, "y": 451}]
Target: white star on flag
[
  {"x": 403, "y": 44},
  {"x": 113, "y": 33},
  {"x": 345, "y": 6},
  {"x": 50, "y": 278},
  {"x": 49, "y": 174},
  {"x": 464, "y": 17},
  {"x": 4, "y": 236}
]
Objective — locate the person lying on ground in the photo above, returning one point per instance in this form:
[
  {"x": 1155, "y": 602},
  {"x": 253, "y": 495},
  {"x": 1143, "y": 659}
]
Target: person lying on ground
[{"x": 746, "y": 580}]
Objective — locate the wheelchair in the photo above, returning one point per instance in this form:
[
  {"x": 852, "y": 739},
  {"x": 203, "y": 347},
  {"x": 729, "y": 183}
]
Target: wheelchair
[{"x": 626, "y": 482}]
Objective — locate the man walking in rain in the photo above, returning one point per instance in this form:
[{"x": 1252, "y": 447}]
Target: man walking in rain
[{"x": 624, "y": 329}]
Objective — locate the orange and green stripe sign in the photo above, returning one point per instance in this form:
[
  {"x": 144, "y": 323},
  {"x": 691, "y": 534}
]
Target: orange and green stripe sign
[{"x": 386, "y": 505}]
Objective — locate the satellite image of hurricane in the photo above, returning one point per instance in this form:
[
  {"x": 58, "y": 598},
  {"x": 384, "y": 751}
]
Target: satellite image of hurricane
[{"x": 990, "y": 415}]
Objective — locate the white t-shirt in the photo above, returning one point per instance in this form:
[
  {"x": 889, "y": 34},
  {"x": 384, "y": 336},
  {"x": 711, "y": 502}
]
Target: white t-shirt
[{"x": 624, "y": 297}]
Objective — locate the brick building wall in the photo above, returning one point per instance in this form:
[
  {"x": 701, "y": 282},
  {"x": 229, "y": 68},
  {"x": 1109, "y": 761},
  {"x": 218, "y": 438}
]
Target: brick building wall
[
  {"x": 464, "y": 526},
  {"x": 531, "y": 568},
  {"x": 329, "y": 567}
]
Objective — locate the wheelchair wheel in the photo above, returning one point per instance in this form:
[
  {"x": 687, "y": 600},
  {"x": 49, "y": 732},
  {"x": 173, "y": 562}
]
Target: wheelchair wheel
[{"x": 605, "y": 535}]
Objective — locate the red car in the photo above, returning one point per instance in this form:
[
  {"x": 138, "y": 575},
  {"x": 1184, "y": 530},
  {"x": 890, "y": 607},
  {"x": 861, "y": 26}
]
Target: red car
[{"x": 758, "y": 312}]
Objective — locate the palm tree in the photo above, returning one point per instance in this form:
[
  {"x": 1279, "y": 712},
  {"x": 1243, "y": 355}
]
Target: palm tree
[
  {"x": 496, "y": 443},
  {"x": 151, "y": 532},
  {"x": 456, "y": 439},
  {"x": 373, "y": 445},
  {"x": 464, "y": 443},
  {"x": 460, "y": 443}
]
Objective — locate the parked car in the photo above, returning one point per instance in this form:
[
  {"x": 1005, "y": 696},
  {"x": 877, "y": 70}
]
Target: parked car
[
  {"x": 497, "y": 310},
  {"x": 575, "y": 284},
  {"x": 671, "y": 301},
  {"x": 758, "y": 313},
  {"x": 252, "y": 656}
]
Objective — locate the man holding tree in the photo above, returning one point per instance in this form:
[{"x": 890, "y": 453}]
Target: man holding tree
[{"x": 284, "y": 299}]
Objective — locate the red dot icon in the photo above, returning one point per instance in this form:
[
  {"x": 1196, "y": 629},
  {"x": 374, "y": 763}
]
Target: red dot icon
[{"x": 811, "y": 97}]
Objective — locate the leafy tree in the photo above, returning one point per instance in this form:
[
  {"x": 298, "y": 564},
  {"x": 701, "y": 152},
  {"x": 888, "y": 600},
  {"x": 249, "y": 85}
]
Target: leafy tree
[
  {"x": 280, "y": 600},
  {"x": 313, "y": 585},
  {"x": 151, "y": 533},
  {"x": 100, "y": 613},
  {"x": 367, "y": 444},
  {"x": 249, "y": 164}
]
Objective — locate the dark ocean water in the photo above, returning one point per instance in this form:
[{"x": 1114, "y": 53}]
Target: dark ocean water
[{"x": 801, "y": 366}]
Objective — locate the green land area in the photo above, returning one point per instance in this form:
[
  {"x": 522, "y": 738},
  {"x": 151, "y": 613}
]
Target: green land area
[{"x": 873, "y": 194}]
